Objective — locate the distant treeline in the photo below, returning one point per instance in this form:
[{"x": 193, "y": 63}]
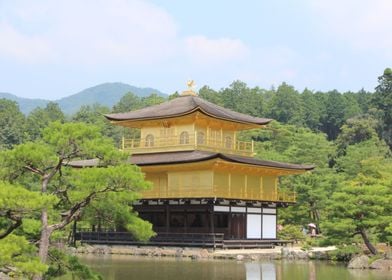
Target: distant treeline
[{"x": 320, "y": 111}]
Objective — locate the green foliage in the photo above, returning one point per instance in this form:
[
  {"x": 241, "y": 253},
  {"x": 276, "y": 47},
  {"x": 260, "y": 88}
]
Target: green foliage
[
  {"x": 152, "y": 99},
  {"x": 40, "y": 118},
  {"x": 362, "y": 205},
  {"x": 142, "y": 230},
  {"x": 37, "y": 176},
  {"x": 382, "y": 101},
  {"x": 345, "y": 253},
  {"x": 285, "y": 105},
  {"x": 18, "y": 258},
  {"x": 312, "y": 108},
  {"x": 355, "y": 131},
  {"x": 128, "y": 102},
  {"x": 64, "y": 264},
  {"x": 131, "y": 102},
  {"x": 17, "y": 199},
  {"x": 350, "y": 163},
  {"x": 12, "y": 124},
  {"x": 291, "y": 232}
]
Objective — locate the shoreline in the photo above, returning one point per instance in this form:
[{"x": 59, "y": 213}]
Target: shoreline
[{"x": 277, "y": 253}]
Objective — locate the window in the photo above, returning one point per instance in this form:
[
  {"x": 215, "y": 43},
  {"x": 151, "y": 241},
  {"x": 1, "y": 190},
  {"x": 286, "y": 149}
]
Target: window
[
  {"x": 196, "y": 220},
  {"x": 215, "y": 138},
  {"x": 177, "y": 220},
  {"x": 221, "y": 220},
  {"x": 149, "y": 140},
  {"x": 228, "y": 142},
  {"x": 200, "y": 137},
  {"x": 184, "y": 138}
]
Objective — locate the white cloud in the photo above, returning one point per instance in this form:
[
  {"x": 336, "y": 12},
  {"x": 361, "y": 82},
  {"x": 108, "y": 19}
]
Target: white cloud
[
  {"x": 205, "y": 51},
  {"x": 361, "y": 24},
  {"x": 24, "y": 48},
  {"x": 93, "y": 32},
  {"x": 87, "y": 31}
]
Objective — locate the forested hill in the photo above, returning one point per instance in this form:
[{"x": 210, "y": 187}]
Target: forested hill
[
  {"x": 26, "y": 105},
  {"x": 107, "y": 94}
]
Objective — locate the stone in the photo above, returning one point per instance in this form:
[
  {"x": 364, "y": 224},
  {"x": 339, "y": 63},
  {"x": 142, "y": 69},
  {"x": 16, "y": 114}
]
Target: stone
[
  {"x": 302, "y": 255},
  {"x": 195, "y": 257},
  {"x": 168, "y": 252},
  {"x": 359, "y": 262},
  {"x": 179, "y": 253},
  {"x": 240, "y": 257},
  {"x": 388, "y": 255},
  {"x": 157, "y": 252},
  {"x": 101, "y": 250},
  {"x": 204, "y": 254},
  {"x": 285, "y": 252},
  {"x": 4, "y": 276},
  {"x": 382, "y": 264},
  {"x": 254, "y": 257}
]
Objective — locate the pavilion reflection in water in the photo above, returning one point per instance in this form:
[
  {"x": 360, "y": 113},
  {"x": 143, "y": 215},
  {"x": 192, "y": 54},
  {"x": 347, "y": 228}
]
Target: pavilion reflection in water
[{"x": 257, "y": 271}]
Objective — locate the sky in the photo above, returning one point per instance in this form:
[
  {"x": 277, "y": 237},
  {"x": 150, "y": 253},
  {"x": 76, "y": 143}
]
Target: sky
[{"x": 54, "y": 48}]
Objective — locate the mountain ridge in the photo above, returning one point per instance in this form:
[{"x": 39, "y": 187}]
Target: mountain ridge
[{"x": 107, "y": 94}]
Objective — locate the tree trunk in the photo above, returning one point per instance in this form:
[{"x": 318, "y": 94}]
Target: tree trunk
[
  {"x": 45, "y": 235},
  {"x": 45, "y": 231},
  {"x": 43, "y": 241},
  {"x": 368, "y": 244}
]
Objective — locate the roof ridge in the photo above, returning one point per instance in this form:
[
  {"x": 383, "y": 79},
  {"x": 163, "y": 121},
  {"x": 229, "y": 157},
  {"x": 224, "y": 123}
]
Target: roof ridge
[{"x": 184, "y": 105}]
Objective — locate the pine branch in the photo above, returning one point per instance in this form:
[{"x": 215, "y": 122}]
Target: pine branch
[
  {"x": 71, "y": 214},
  {"x": 17, "y": 223}
]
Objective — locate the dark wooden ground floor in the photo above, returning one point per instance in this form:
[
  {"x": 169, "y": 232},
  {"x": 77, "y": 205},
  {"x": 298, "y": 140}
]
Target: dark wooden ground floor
[
  {"x": 201, "y": 223},
  {"x": 235, "y": 221},
  {"x": 174, "y": 239}
]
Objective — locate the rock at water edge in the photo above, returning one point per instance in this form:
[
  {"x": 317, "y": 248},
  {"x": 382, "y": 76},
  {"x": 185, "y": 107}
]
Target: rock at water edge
[{"x": 359, "y": 262}]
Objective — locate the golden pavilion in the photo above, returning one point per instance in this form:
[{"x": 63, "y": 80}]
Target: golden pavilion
[{"x": 205, "y": 180}]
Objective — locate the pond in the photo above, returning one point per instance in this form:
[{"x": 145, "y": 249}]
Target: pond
[{"x": 120, "y": 267}]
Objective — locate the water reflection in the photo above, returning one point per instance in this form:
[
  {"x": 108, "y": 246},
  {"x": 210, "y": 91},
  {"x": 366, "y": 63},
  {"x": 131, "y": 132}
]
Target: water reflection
[
  {"x": 117, "y": 267},
  {"x": 257, "y": 271}
]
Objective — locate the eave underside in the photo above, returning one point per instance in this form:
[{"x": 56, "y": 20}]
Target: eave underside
[{"x": 193, "y": 159}]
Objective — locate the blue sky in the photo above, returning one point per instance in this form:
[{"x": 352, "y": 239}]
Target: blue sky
[{"x": 54, "y": 48}]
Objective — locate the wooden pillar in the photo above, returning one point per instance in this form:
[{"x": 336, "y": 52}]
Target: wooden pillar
[
  {"x": 195, "y": 140},
  {"x": 221, "y": 138},
  {"x": 229, "y": 186},
  {"x": 261, "y": 188},
  {"x": 246, "y": 186},
  {"x": 208, "y": 135},
  {"x": 211, "y": 214},
  {"x": 235, "y": 141},
  {"x": 185, "y": 215},
  {"x": 167, "y": 218},
  {"x": 229, "y": 223}
]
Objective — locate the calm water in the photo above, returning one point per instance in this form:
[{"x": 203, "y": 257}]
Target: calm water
[{"x": 117, "y": 267}]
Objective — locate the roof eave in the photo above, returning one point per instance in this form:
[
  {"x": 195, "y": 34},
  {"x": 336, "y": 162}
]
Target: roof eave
[{"x": 198, "y": 108}]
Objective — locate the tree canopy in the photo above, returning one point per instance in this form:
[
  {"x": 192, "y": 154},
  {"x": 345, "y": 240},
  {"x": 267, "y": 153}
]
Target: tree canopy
[{"x": 41, "y": 169}]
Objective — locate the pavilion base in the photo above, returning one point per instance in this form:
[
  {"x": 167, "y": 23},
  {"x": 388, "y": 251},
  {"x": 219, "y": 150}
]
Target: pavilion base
[
  {"x": 214, "y": 241},
  {"x": 237, "y": 220},
  {"x": 217, "y": 223}
]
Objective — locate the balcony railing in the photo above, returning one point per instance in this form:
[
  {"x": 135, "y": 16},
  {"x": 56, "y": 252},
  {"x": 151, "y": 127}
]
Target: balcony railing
[
  {"x": 191, "y": 142},
  {"x": 216, "y": 192}
]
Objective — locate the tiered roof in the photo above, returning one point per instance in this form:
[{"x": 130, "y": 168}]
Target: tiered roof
[
  {"x": 185, "y": 105},
  {"x": 195, "y": 156}
]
